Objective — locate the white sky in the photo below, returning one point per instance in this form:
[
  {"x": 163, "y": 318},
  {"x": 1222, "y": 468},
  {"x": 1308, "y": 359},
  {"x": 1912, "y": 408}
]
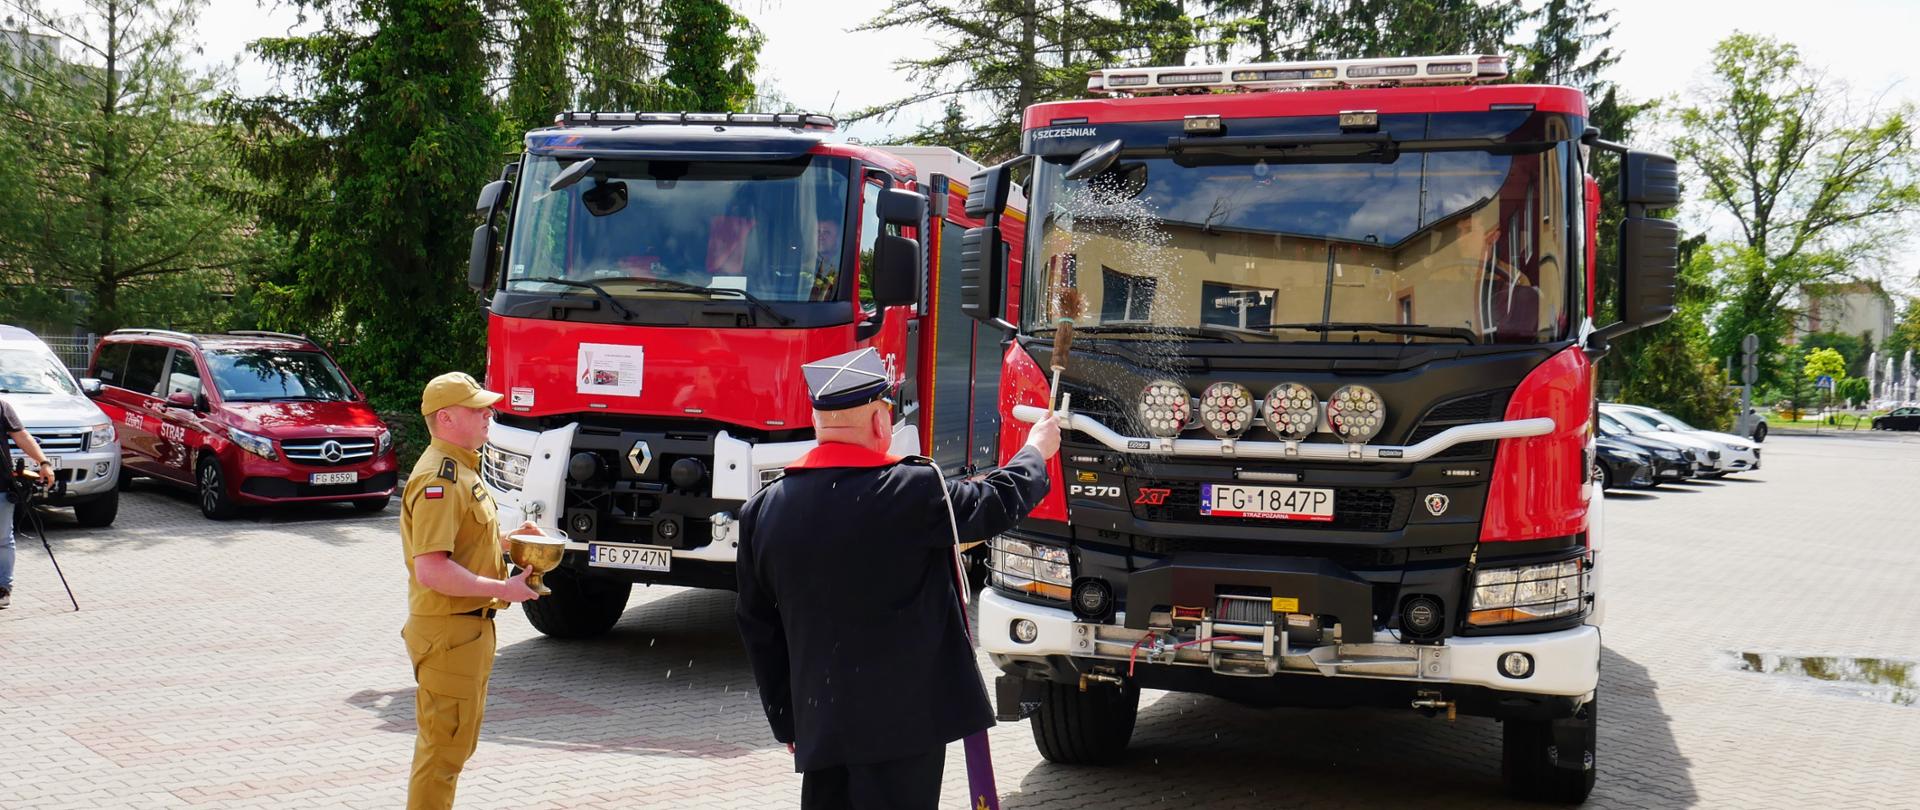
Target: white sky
[{"x": 813, "y": 59}]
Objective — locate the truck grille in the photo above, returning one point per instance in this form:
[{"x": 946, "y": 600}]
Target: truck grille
[
  {"x": 328, "y": 452},
  {"x": 1468, "y": 410},
  {"x": 1354, "y": 509},
  {"x": 56, "y": 442}
]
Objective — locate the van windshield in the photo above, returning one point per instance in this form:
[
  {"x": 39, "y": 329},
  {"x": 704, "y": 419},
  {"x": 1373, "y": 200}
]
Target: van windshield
[
  {"x": 23, "y": 372},
  {"x": 262, "y": 375}
]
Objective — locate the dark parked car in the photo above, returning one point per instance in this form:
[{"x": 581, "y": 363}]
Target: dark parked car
[
  {"x": 1623, "y": 465},
  {"x": 1671, "y": 462},
  {"x": 1899, "y": 419}
]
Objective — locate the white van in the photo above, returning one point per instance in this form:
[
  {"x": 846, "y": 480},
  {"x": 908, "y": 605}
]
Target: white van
[{"x": 71, "y": 430}]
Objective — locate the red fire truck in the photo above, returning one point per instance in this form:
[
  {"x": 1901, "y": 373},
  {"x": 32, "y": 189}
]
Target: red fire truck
[
  {"x": 1331, "y": 398},
  {"x": 654, "y": 283}
]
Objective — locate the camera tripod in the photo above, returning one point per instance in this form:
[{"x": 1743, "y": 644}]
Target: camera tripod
[{"x": 29, "y": 491}]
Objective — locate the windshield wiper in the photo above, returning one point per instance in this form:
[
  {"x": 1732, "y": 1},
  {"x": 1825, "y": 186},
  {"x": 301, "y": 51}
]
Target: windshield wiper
[
  {"x": 1207, "y": 331},
  {"x": 1419, "y": 329},
  {"x": 750, "y": 298},
  {"x": 613, "y": 302}
]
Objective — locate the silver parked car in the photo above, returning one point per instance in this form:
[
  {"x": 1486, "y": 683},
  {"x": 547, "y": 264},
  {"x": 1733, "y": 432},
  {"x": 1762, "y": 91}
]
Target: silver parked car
[{"x": 73, "y": 432}]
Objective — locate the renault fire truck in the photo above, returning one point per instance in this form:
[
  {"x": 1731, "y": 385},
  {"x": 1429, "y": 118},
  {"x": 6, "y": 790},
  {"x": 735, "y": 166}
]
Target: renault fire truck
[
  {"x": 654, "y": 282},
  {"x": 1329, "y": 397}
]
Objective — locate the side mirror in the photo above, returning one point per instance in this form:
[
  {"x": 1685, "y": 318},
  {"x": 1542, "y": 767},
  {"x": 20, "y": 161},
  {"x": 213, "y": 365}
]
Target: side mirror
[
  {"x": 1667, "y": 428},
  {"x": 988, "y": 191},
  {"x": 92, "y": 387},
  {"x": 907, "y": 209},
  {"x": 490, "y": 195},
  {"x": 896, "y": 271},
  {"x": 1649, "y": 246},
  {"x": 179, "y": 399},
  {"x": 201, "y": 403},
  {"x": 479, "y": 256},
  {"x": 1094, "y": 161},
  {"x": 983, "y": 252}
]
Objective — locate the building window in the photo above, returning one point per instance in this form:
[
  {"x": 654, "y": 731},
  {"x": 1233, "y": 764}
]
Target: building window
[
  {"x": 1236, "y": 306},
  {"x": 1124, "y": 297}
]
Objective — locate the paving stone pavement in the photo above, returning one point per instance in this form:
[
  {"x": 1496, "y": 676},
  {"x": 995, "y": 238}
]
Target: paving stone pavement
[{"x": 257, "y": 663}]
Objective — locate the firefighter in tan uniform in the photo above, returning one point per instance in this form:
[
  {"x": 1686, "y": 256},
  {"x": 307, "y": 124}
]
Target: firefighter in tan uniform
[{"x": 458, "y": 581}]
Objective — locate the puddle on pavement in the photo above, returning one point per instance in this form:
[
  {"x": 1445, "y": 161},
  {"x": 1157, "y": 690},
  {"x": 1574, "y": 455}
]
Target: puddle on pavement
[{"x": 1882, "y": 680}]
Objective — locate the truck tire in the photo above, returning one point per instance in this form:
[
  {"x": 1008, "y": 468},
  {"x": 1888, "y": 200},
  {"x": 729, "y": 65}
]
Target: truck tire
[
  {"x": 1527, "y": 754},
  {"x": 578, "y": 607},
  {"x": 1085, "y": 728},
  {"x": 99, "y": 512}
]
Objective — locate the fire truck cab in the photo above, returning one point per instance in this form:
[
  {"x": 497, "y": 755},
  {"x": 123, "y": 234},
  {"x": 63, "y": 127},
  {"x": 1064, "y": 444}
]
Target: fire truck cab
[
  {"x": 654, "y": 282},
  {"x": 1330, "y": 433}
]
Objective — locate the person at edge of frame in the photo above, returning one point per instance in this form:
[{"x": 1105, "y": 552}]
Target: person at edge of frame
[
  {"x": 42, "y": 468},
  {"x": 457, "y": 581},
  {"x": 847, "y": 596}
]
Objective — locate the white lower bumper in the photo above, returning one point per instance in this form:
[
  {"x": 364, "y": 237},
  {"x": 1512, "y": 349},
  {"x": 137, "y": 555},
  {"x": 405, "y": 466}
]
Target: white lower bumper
[
  {"x": 739, "y": 467},
  {"x": 1566, "y": 662}
]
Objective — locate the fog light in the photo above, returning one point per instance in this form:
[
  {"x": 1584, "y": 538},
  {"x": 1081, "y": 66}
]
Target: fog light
[
  {"x": 668, "y": 528},
  {"x": 100, "y": 469},
  {"x": 583, "y": 467},
  {"x": 1516, "y": 665},
  {"x": 687, "y": 473},
  {"x": 1226, "y": 409},
  {"x": 1355, "y": 413},
  {"x": 1024, "y": 631},
  {"x": 1422, "y": 617},
  {"x": 1164, "y": 408},
  {"x": 1092, "y": 599}
]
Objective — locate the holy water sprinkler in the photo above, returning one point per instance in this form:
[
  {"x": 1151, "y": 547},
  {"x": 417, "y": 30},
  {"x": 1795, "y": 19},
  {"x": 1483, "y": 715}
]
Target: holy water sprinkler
[{"x": 1067, "y": 306}]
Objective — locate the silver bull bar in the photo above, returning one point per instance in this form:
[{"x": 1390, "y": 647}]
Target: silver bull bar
[{"x": 1291, "y": 450}]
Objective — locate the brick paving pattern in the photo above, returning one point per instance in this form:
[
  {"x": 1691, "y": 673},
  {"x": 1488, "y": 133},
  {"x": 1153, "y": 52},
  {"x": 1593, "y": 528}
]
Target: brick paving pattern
[{"x": 258, "y": 663}]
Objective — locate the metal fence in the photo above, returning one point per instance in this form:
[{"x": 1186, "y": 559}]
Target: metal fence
[{"x": 74, "y": 351}]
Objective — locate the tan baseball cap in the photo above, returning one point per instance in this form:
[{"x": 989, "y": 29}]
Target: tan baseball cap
[{"x": 455, "y": 388}]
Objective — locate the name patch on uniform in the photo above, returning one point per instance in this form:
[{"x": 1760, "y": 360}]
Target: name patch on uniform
[
  {"x": 435, "y": 493},
  {"x": 479, "y": 494}
]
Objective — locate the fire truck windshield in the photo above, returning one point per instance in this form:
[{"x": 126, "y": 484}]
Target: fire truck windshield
[
  {"x": 774, "y": 230},
  {"x": 1432, "y": 246}
]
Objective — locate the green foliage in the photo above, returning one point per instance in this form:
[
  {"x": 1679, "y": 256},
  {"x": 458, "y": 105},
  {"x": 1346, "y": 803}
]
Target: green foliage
[
  {"x": 539, "y": 85},
  {"x": 1906, "y": 332},
  {"x": 1816, "y": 186},
  {"x": 710, "y": 53},
  {"x": 1825, "y": 363},
  {"x": 115, "y": 183},
  {"x": 1346, "y": 29},
  {"x": 1853, "y": 351},
  {"x": 1853, "y": 390}
]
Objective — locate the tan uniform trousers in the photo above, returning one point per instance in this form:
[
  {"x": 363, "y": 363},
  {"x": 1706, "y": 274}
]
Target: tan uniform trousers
[{"x": 452, "y": 659}]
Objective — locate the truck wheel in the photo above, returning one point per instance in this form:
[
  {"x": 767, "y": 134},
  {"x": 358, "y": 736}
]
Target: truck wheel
[
  {"x": 99, "y": 512},
  {"x": 579, "y": 607},
  {"x": 215, "y": 503},
  {"x": 1085, "y": 728},
  {"x": 1527, "y": 756}
]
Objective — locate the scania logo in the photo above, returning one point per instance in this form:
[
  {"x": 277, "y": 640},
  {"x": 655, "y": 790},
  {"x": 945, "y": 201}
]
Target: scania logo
[
  {"x": 1437, "y": 504},
  {"x": 1152, "y": 496},
  {"x": 1064, "y": 132},
  {"x": 330, "y": 450}
]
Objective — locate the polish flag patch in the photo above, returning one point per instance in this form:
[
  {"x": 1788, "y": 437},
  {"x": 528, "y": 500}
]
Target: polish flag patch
[{"x": 435, "y": 493}]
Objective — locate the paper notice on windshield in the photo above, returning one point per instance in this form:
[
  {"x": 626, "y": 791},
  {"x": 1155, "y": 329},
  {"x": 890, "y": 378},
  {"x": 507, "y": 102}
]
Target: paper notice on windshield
[{"x": 610, "y": 370}]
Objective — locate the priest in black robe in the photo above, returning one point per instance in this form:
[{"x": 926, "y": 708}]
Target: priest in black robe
[{"x": 849, "y": 606}]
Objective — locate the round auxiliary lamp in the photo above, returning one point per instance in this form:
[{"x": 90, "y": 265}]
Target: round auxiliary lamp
[
  {"x": 1356, "y": 413},
  {"x": 1292, "y": 411},
  {"x": 1165, "y": 408},
  {"x": 1226, "y": 409}
]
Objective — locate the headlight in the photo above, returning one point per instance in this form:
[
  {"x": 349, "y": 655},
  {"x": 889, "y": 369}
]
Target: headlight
[
  {"x": 1356, "y": 413},
  {"x": 1291, "y": 410},
  {"x": 100, "y": 435},
  {"x": 1164, "y": 408},
  {"x": 258, "y": 445},
  {"x": 1226, "y": 409},
  {"x": 386, "y": 442},
  {"x": 1529, "y": 593},
  {"x": 1033, "y": 568},
  {"x": 504, "y": 469}
]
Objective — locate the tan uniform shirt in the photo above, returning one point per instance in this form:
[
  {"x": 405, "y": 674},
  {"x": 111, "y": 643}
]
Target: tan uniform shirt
[{"x": 444, "y": 508}]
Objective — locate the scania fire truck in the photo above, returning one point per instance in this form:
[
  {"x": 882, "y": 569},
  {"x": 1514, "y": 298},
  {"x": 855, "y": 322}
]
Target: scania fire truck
[
  {"x": 654, "y": 282},
  {"x": 1330, "y": 397}
]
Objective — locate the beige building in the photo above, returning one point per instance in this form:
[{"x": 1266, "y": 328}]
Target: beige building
[{"x": 1847, "y": 308}]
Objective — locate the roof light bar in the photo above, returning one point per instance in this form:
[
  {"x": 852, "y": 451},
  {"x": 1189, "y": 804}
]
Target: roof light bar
[
  {"x": 573, "y": 118},
  {"x": 1318, "y": 75}
]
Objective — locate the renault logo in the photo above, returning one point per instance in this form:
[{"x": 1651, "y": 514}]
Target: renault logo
[
  {"x": 330, "y": 450},
  {"x": 640, "y": 458}
]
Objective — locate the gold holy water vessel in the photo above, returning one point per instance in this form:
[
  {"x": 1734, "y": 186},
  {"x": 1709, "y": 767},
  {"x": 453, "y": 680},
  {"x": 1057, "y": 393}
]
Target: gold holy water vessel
[{"x": 537, "y": 553}]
